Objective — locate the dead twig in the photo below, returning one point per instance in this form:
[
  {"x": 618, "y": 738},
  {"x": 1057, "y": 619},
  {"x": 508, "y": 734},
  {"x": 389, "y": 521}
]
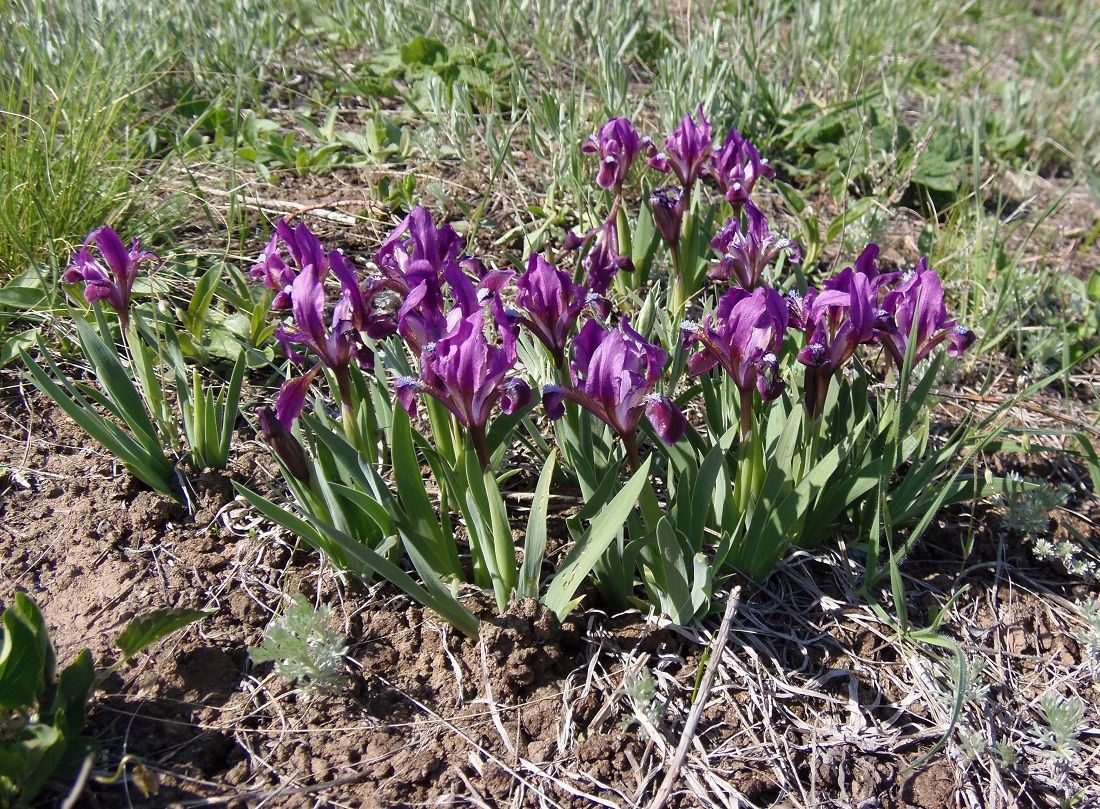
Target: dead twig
[{"x": 665, "y": 790}]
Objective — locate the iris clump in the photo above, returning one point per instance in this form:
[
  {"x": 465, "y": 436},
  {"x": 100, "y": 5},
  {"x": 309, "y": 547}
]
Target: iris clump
[
  {"x": 711, "y": 416},
  {"x": 743, "y": 429},
  {"x": 711, "y": 410}
]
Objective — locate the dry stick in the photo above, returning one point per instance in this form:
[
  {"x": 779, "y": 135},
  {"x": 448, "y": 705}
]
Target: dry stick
[
  {"x": 1025, "y": 405},
  {"x": 665, "y": 790},
  {"x": 79, "y": 784},
  {"x": 322, "y": 206},
  {"x": 493, "y": 705},
  {"x": 294, "y": 209}
]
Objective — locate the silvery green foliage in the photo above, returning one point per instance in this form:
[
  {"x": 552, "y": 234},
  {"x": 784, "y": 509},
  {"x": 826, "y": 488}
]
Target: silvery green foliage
[
  {"x": 1058, "y": 741},
  {"x": 1007, "y": 755},
  {"x": 1089, "y": 639},
  {"x": 1028, "y": 507},
  {"x": 642, "y": 690},
  {"x": 971, "y": 746},
  {"x": 305, "y": 647},
  {"x": 1068, "y": 555}
]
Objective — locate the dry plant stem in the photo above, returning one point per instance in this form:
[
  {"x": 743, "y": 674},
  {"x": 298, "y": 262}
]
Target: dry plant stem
[
  {"x": 322, "y": 206},
  {"x": 78, "y": 785},
  {"x": 282, "y": 207},
  {"x": 673, "y": 772}
]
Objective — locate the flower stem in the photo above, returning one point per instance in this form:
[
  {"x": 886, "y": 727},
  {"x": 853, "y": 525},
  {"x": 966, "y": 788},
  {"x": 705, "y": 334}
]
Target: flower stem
[
  {"x": 679, "y": 287},
  {"x": 746, "y": 413},
  {"x": 630, "y": 441},
  {"x": 347, "y": 412},
  {"x": 481, "y": 445}
]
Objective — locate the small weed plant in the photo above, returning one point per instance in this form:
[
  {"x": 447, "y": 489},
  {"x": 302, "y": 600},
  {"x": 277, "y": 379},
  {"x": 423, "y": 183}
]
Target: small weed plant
[{"x": 305, "y": 646}]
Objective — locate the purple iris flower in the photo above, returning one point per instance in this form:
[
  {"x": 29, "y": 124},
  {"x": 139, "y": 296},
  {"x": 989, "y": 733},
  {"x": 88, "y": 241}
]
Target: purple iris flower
[
  {"x": 604, "y": 261},
  {"x": 667, "y": 207},
  {"x": 413, "y": 260},
  {"x": 618, "y": 144},
  {"x": 745, "y": 253},
  {"x": 418, "y": 261},
  {"x": 417, "y": 250},
  {"x": 423, "y": 317},
  {"x": 686, "y": 151},
  {"x": 919, "y": 300},
  {"x": 552, "y": 304},
  {"x": 614, "y": 371},
  {"x": 115, "y": 282},
  {"x": 275, "y": 425},
  {"x": 836, "y": 320},
  {"x": 736, "y": 167},
  {"x": 745, "y": 337},
  {"x": 277, "y": 275},
  {"x": 866, "y": 264},
  {"x": 334, "y": 345},
  {"x": 367, "y": 312},
  {"x": 469, "y": 374}
]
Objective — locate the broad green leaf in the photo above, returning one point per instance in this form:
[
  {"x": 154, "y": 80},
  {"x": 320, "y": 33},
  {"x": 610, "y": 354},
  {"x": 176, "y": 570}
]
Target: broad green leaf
[
  {"x": 11, "y": 346},
  {"x": 74, "y": 687},
  {"x": 770, "y": 536},
  {"x": 534, "y": 543},
  {"x": 363, "y": 560},
  {"x": 25, "y": 652},
  {"x": 646, "y": 241},
  {"x": 587, "y": 551},
  {"x": 230, "y": 407},
  {"x": 669, "y": 567},
  {"x": 422, "y": 50},
  {"x": 150, "y": 627},
  {"x": 30, "y": 759},
  {"x": 24, "y": 292},
  {"x": 503, "y": 545}
]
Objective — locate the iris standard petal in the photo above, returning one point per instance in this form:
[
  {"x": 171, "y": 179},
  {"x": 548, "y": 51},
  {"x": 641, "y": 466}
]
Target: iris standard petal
[{"x": 114, "y": 252}]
